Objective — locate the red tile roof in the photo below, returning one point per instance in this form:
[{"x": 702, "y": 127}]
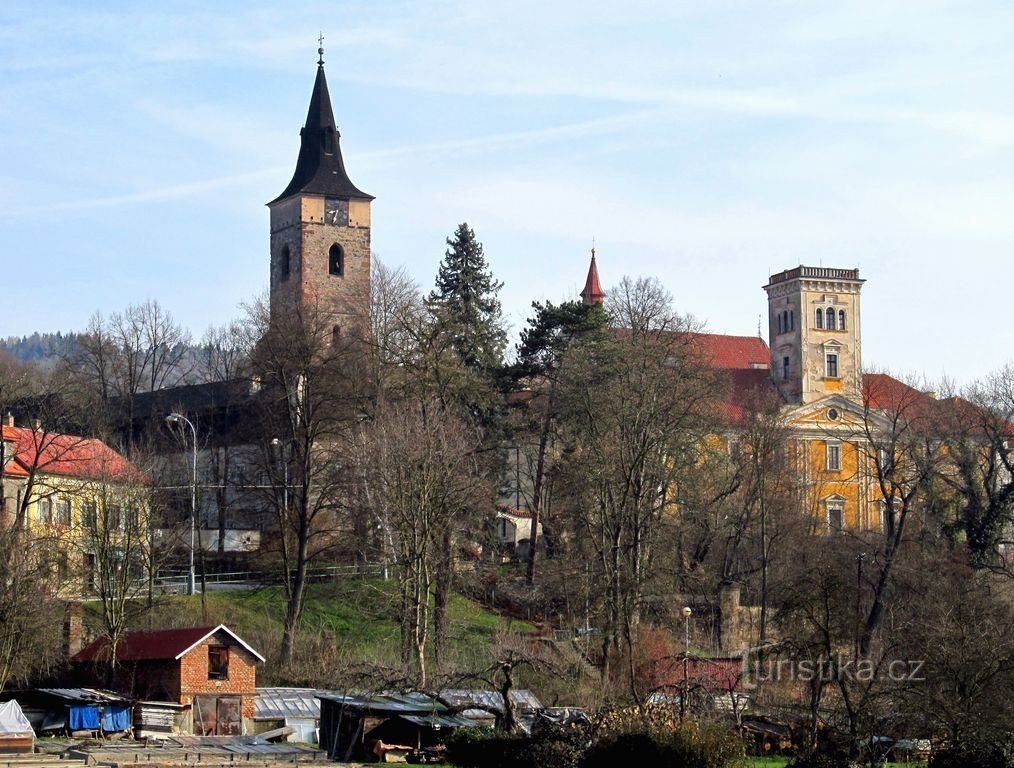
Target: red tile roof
[
  {"x": 714, "y": 675},
  {"x": 157, "y": 645},
  {"x": 593, "y": 293},
  {"x": 507, "y": 509},
  {"x": 733, "y": 352},
  {"x": 67, "y": 455},
  {"x": 747, "y": 390}
]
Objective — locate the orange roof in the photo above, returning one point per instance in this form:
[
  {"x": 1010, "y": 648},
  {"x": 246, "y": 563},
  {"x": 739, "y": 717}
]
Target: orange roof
[
  {"x": 593, "y": 293},
  {"x": 729, "y": 352},
  {"x": 68, "y": 455}
]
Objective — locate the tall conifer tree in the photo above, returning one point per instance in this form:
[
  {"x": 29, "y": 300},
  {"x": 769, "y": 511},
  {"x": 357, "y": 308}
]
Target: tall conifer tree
[{"x": 466, "y": 298}]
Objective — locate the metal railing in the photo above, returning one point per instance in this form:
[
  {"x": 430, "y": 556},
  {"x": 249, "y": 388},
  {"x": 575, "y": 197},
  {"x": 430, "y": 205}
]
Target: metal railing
[{"x": 176, "y": 583}]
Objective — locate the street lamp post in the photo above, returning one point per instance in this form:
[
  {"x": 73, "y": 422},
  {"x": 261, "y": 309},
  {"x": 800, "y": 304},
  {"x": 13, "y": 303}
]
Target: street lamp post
[
  {"x": 275, "y": 442},
  {"x": 179, "y": 418},
  {"x": 686, "y": 661}
]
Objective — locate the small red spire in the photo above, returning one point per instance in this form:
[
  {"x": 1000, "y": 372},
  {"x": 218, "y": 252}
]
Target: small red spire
[{"x": 593, "y": 293}]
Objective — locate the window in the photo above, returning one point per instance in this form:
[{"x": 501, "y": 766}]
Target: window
[
  {"x": 114, "y": 517},
  {"x": 218, "y": 662},
  {"x": 835, "y": 516},
  {"x": 44, "y": 510},
  {"x": 831, "y": 365},
  {"x": 830, "y": 319},
  {"x": 785, "y": 367},
  {"x": 841, "y": 319},
  {"x": 834, "y": 456},
  {"x": 820, "y": 318},
  {"x": 781, "y": 327},
  {"x": 886, "y": 460},
  {"x": 889, "y": 514},
  {"x": 336, "y": 260},
  {"x": 792, "y": 319},
  {"x": 63, "y": 511},
  {"x": 284, "y": 263},
  {"x": 88, "y": 519}
]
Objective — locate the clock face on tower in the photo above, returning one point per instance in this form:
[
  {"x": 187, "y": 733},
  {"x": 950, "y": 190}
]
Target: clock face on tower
[{"x": 336, "y": 212}]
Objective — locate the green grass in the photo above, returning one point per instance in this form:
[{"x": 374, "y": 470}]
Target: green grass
[
  {"x": 354, "y": 618},
  {"x": 766, "y": 762}
]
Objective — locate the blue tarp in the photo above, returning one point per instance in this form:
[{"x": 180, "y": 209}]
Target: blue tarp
[
  {"x": 84, "y": 718},
  {"x": 115, "y": 718}
]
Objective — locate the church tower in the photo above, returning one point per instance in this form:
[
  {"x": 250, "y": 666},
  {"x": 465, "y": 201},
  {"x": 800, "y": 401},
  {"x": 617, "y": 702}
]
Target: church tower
[
  {"x": 592, "y": 293},
  {"x": 320, "y": 226},
  {"x": 814, "y": 332}
]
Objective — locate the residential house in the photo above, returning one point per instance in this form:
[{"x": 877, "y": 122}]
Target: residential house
[
  {"x": 211, "y": 670},
  {"x": 77, "y": 500}
]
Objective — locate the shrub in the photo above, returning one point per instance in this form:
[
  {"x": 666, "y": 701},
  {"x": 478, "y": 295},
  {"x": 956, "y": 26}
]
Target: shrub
[
  {"x": 489, "y": 748},
  {"x": 985, "y": 753},
  {"x": 689, "y": 744}
]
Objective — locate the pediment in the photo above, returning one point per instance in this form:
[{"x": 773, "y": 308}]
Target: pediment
[{"x": 834, "y": 413}]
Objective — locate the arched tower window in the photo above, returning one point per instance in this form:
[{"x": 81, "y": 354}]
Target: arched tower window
[
  {"x": 336, "y": 260},
  {"x": 284, "y": 263},
  {"x": 781, "y": 328},
  {"x": 820, "y": 318},
  {"x": 792, "y": 319},
  {"x": 830, "y": 319},
  {"x": 841, "y": 319}
]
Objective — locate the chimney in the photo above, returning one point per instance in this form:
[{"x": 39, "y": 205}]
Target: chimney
[
  {"x": 10, "y": 419},
  {"x": 73, "y": 629}
]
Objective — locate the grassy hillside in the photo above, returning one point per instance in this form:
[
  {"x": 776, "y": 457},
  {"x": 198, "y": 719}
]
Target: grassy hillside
[{"x": 348, "y": 627}]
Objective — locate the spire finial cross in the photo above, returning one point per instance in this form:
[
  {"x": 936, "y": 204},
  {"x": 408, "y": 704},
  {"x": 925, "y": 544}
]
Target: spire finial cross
[
  {"x": 593, "y": 246},
  {"x": 320, "y": 50}
]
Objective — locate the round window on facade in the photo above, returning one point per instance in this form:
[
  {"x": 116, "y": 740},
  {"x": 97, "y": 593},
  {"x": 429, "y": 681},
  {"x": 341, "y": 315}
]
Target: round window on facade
[{"x": 832, "y": 413}]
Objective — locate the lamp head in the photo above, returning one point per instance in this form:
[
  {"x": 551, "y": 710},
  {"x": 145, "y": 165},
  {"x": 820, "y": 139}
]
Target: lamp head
[
  {"x": 173, "y": 418},
  {"x": 686, "y": 612},
  {"x": 275, "y": 441}
]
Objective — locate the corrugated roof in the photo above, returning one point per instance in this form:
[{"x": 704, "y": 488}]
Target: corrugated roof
[
  {"x": 413, "y": 702},
  {"x": 489, "y": 700},
  {"x": 275, "y": 703},
  {"x": 84, "y": 695}
]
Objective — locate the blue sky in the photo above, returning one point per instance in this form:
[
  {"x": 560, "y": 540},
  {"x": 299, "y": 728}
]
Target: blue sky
[{"x": 707, "y": 144}]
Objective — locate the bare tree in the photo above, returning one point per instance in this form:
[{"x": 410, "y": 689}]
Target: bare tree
[
  {"x": 310, "y": 402},
  {"x": 636, "y": 414}
]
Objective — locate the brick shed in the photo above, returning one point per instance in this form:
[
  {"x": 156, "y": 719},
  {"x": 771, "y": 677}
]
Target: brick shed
[{"x": 209, "y": 669}]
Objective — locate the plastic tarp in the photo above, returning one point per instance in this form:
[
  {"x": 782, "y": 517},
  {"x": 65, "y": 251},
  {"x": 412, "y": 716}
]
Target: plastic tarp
[
  {"x": 13, "y": 721},
  {"x": 84, "y": 718},
  {"x": 115, "y": 718}
]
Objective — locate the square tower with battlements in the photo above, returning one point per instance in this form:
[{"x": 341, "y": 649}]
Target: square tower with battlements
[{"x": 814, "y": 331}]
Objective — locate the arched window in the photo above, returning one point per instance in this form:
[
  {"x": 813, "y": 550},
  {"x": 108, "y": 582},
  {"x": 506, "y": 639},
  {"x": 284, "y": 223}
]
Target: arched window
[
  {"x": 835, "y": 509},
  {"x": 792, "y": 319},
  {"x": 830, "y": 319},
  {"x": 841, "y": 319},
  {"x": 284, "y": 265},
  {"x": 820, "y": 318},
  {"x": 336, "y": 260},
  {"x": 785, "y": 320},
  {"x": 781, "y": 329}
]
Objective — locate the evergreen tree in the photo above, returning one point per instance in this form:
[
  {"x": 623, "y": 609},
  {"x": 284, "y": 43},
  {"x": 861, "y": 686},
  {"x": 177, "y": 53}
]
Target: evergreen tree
[{"x": 466, "y": 300}]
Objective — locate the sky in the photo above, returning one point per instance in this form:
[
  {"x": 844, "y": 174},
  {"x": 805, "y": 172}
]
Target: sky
[{"x": 708, "y": 145}]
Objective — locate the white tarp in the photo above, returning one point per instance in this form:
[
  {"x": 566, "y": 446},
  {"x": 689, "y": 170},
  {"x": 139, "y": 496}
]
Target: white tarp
[{"x": 13, "y": 721}]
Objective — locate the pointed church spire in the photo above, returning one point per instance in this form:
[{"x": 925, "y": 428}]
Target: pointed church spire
[
  {"x": 320, "y": 169},
  {"x": 593, "y": 293}
]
